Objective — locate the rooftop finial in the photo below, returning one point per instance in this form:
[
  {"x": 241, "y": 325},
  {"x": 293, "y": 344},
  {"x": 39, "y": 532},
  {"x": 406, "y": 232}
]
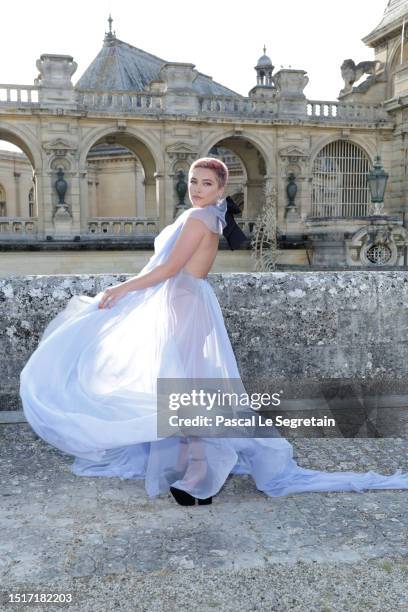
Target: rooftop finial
[
  {"x": 110, "y": 36},
  {"x": 264, "y": 49}
]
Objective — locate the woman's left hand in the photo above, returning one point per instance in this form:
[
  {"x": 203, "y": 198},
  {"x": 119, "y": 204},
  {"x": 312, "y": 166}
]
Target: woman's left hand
[{"x": 111, "y": 295}]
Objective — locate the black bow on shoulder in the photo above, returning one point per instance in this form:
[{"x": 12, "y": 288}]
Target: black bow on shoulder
[{"x": 232, "y": 232}]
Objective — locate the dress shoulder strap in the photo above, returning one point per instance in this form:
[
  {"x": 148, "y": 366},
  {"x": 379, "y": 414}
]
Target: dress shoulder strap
[{"x": 208, "y": 216}]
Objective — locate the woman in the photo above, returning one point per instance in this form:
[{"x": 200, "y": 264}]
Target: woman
[{"x": 90, "y": 387}]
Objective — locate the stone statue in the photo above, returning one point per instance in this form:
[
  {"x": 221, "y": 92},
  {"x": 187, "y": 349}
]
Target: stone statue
[{"x": 352, "y": 72}]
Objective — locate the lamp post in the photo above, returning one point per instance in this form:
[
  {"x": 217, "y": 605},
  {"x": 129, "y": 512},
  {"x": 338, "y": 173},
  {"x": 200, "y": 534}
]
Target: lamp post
[{"x": 377, "y": 182}]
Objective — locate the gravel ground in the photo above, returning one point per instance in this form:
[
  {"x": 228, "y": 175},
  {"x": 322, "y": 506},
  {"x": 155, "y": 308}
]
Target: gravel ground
[{"x": 114, "y": 548}]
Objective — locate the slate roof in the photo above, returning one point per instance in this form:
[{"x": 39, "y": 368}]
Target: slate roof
[
  {"x": 392, "y": 19},
  {"x": 122, "y": 67}
]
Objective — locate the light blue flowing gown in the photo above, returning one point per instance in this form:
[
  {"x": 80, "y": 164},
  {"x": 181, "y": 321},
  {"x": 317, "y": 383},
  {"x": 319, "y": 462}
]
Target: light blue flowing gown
[{"x": 89, "y": 388}]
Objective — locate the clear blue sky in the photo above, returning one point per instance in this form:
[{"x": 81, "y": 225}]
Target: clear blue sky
[{"x": 223, "y": 39}]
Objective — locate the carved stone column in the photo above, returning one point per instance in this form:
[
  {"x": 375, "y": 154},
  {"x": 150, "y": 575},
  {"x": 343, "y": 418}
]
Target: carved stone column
[
  {"x": 93, "y": 211},
  {"x": 17, "y": 176},
  {"x": 139, "y": 191},
  {"x": 39, "y": 190},
  {"x": 165, "y": 199}
]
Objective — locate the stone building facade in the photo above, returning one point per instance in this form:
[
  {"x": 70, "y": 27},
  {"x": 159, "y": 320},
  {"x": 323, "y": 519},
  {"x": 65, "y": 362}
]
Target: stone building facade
[
  {"x": 121, "y": 140},
  {"x": 17, "y": 193}
]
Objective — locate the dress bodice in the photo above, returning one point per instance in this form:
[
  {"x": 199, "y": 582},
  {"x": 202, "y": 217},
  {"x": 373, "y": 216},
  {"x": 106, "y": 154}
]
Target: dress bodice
[{"x": 213, "y": 216}]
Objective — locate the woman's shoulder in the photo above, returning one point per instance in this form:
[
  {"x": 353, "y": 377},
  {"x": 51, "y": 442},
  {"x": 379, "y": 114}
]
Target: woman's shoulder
[{"x": 206, "y": 215}]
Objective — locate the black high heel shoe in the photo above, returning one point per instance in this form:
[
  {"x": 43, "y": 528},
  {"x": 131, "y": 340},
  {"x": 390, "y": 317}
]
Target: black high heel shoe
[
  {"x": 182, "y": 497},
  {"x": 204, "y": 502}
]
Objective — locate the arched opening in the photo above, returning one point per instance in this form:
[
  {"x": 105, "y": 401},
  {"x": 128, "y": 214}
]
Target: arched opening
[
  {"x": 115, "y": 181},
  {"x": 247, "y": 170},
  {"x": 17, "y": 179},
  {"x": 121, "y": 186},
  {"x": 31, "y": 202},
  {"x": 396, "y": 64},
  {"x": 339, "y": 181}
]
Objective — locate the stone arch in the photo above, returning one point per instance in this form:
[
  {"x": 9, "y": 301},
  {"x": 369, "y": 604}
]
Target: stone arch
[
  {"x": 24, "y": 141},
  {"x": 213, "y": 138},
  {"x": 256, "y": 163},
  {"x": 368, "y": 148},
  {"x": 31, "y": 147},
  {"x": 146, "y": 149},
  {"x": 339, "y": 179},
  {"x": 393, "y": 62}
]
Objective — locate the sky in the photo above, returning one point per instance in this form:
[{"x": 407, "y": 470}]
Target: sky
[{"x": 224, "y": 39}]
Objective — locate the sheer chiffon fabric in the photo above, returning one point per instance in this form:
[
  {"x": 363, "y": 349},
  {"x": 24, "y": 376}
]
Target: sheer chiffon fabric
[{"x": 89, "y": 389}]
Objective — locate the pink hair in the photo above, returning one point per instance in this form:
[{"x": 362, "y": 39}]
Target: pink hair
[{"x": 218, "y": 167}]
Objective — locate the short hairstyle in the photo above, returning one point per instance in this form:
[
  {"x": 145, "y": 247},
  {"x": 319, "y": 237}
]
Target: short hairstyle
[{"x": 212, "y": 163}]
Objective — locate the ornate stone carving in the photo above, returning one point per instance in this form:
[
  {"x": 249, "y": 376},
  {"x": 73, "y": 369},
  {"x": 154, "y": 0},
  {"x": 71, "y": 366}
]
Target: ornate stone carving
[
  {"x": 180, "y": 151},
  {"x": 181, "y": 186},
  {"x": 379, "y": 243},
  {"x": 293, "y": 154},
  {"x": 61, "y": 187},
  {"x": 352, "y": 72},
  {"x": 59, "y": 148},
  {"x": 55, "y": 71},
  {"x": 291, "y": 191},
  {"x": 55, "y": 86},
  {"x": 291, "y": 83},
  {"x": 178, "y": 75},
  {"x": 295, "y": 159},
  {"x": 62, "y": 218}
]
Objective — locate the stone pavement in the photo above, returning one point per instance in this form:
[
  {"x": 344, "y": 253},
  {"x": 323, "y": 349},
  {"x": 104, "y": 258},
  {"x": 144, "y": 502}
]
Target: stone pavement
[{"x": 114, "y": 548}]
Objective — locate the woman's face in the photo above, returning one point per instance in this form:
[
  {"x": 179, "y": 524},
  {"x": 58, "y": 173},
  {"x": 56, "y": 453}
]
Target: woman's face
[{"x": 203, "y": 188}]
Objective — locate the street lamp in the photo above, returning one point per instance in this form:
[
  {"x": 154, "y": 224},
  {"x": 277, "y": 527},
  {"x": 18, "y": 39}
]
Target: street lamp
[{"x": 377, "y": 182}]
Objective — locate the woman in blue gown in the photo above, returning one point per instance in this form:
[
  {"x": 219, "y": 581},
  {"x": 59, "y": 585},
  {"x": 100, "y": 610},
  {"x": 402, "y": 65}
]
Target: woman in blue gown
[{"x": 89, "y": 388}]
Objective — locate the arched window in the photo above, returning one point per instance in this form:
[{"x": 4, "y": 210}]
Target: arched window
[
  {"x": 339, "y": 183},
  {"x": 31, "y": 202},
  {"x": 395, "y": 66},
  {"x": 3, "y": 202}
]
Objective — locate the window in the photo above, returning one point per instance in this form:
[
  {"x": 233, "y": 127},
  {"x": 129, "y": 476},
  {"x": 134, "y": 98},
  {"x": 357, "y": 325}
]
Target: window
[
  {"x": 3, "y": 203},
  {"x": 31, "y": 202},
  {"x": 339, "y": 182}
]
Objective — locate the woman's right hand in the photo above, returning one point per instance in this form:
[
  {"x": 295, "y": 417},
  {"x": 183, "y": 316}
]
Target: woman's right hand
[{"x": 111, "y": 295}]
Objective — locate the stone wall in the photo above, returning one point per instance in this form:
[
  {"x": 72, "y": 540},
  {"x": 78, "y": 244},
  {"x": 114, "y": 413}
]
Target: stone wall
[{"x": 302, "y": 326}]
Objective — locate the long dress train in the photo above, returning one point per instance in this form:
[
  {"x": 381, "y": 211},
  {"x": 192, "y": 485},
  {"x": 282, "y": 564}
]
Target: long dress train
[{"x": 89, "y": 389}]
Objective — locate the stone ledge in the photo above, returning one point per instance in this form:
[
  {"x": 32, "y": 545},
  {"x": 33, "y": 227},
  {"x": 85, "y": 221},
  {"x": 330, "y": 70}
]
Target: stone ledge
[
  {"x": 283, "y": 326},
  {"x": 12, "y": 416}
]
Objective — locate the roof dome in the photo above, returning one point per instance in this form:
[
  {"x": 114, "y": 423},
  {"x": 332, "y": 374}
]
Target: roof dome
[{"x": 264, "y": 60}]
